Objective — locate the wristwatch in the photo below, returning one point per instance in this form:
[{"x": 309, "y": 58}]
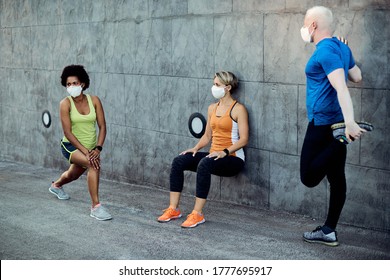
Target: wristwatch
[
  {"x": 100, "y": 148},
  {"x": 226, "y": 151}
]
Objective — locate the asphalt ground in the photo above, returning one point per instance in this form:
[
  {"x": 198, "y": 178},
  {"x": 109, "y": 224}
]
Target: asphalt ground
[
  {"x": 42, "y": 237},
  {"x": 35, "y": 225}
]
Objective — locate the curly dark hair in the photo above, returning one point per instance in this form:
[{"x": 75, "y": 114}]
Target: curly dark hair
[{"x": 75, "y": 70}]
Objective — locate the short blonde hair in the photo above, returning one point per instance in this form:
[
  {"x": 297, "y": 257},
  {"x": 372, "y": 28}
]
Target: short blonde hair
[{"x": 228, "y": 79}]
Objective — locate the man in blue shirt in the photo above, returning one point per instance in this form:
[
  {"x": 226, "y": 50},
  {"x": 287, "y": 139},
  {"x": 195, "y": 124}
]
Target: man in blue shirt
[{"x": 328, "y": 101}]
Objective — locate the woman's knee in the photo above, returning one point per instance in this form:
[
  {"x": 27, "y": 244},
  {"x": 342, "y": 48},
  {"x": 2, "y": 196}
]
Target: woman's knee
[
  {"x": 178, "y": 162},
  {"x": 205, "y": 165}
]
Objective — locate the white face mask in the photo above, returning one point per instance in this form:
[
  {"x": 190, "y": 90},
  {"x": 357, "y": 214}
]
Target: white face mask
[
  {"x": 74, "y": 91},
  {"x": 306, "y": 35},
  {"x": 218, "y": 92}
]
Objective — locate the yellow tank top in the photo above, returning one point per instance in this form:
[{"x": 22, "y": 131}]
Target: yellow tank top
[
  {"x": 83, "y": 126},
  {"x": 224, "y": 132}
]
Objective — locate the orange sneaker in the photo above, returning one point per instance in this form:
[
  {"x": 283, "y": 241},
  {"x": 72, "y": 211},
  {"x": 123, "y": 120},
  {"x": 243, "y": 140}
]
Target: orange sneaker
[
  {"x": 169, "y": 214},
  {"x": 193, "y": 219}
]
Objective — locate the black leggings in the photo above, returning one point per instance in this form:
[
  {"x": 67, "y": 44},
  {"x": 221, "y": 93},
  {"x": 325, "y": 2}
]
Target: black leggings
[
  {"x": 204, "y": 167},
  {"x": 322, "y": 156}
]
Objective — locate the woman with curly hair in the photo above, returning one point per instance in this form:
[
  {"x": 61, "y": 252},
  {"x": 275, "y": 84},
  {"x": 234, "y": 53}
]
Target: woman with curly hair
[{"x": 81, "y": 146}]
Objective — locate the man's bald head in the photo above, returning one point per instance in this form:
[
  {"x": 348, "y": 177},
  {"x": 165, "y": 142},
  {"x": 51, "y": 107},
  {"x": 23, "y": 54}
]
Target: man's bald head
[{"x": 322, "y": 16}]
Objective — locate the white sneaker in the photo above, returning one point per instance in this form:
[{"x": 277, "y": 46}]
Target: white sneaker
[
  {"x": 59, "y": 192},
  {"x": 318, "y": 236},
  {"x": 100, "y": 213}
]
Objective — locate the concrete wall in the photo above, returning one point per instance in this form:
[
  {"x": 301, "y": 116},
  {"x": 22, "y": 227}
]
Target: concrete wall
[{"x": 152, "y": 63}]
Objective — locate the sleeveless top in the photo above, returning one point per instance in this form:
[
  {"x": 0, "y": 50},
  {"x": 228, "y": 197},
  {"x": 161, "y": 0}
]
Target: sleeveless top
[
  {"x": 224, "y": 132},
  {"x": 83, "y": 126}
]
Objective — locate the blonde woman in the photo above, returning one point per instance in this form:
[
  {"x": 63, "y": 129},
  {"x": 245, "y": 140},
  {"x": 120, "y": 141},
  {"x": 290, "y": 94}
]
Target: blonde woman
[{"x": 227, "y": 129}]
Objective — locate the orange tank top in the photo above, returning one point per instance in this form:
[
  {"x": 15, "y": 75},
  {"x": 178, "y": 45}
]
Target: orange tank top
[{"x": 224, "y": 132}]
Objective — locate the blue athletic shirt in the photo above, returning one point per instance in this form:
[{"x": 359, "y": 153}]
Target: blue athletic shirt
[{"x": 321, "y": 98}]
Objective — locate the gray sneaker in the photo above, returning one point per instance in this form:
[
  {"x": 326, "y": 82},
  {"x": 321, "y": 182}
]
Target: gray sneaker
[
  {"x": 318, "y": 236},
  {"x": 59, "y": 192},
  {"x": 100, "y": 213},
  {"x": 338, "y": 130}
]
